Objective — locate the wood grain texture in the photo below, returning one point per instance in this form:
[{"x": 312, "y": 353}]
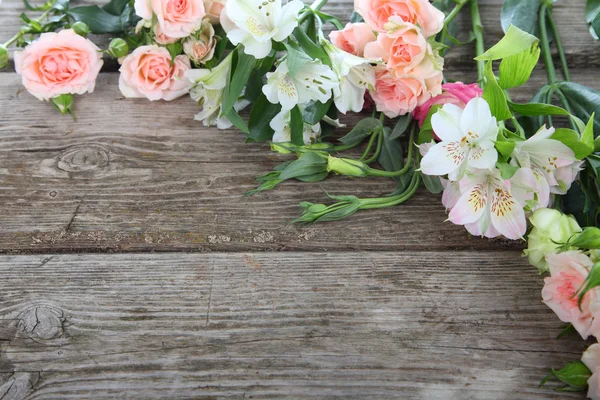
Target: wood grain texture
[
  {"x": 121, "y": 179},
  {"x": 469, "y": 325}
]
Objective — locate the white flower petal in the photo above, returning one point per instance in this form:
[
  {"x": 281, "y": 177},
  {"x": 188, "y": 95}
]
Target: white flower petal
[
  {"x": 446, "y": 123},
  {"x": 483, "y": 159},
  {"x": 443, "y": 158}
]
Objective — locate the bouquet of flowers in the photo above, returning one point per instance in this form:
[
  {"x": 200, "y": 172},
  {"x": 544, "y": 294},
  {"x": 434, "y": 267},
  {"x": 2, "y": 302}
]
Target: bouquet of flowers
[{"x": 269, "y": 69}]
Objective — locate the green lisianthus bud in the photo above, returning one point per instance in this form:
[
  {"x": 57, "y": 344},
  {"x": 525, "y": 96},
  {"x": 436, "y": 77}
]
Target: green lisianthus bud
[
  {"x": 3, "y": 56},
  {"x": 288, "y": 148},
  {"x": 347, "y": 166},
  {"x": 118, "y": 48},
  {"x": 589, "y": 239},
  {"x": 81, "y": 28},
  {"x": 63, "y": 103},
  {"x": 551, "y": 228}
]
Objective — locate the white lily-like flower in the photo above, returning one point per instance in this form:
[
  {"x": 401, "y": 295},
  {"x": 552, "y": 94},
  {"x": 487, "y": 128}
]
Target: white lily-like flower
[
  {"x": 313, "y": 81},
  {"x": 283, "y": 133},
  {"x": 467, "y": 140},
  {"x": 487, "y": 207},
  {"x": 207, "y": 91},
  {"x": 550, "y": 158},
  {"x": 356, "y": 76},
  {"x": 254, "y": 23}
]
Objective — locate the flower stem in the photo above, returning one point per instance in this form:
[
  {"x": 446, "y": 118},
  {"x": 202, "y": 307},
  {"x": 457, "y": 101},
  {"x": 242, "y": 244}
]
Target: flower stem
[
  {"x": 405, "y": 169},
  {"x": 374, "y": 136},
  {"x": 377, "y": 149},
  {"x": 559, "y": 46},
  {"x": 382, "y": 202},
  {"x": 479, "y": 41},
  {"x": 20, "y": 34},
  {"x": 455, "y": 11},
  {"x": 547, "y": 55}
]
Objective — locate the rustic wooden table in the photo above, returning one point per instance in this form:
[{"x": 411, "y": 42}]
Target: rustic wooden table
[{"x": 133, "y": 266}]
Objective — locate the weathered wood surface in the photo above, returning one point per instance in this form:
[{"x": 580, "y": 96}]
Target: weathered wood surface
[{"x": 365, "y": 325}]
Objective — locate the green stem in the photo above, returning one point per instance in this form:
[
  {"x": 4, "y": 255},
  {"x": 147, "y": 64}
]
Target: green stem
[
  {"x": 479, "y": 41},
  {"x": 405, "y": 169},
  {"x": 567, "y": 106},
  {"x": 455, "y": 11},
  {"x": 374, "y": 136},
  {"x": 547, "y": 55},
  {"x": 20, "y": 34},
  {"x": 345, "y": 147},
  {"x": 377, "y": 150},
  {"x": 316, "y": 6},
  {"x": 559, "y": 46},
  {"x": 369, "y": 204}
]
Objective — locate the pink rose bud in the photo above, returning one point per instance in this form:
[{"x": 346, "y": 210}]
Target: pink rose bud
[
  {"x": 200, "y": 48},
  {"x": 214, "y": 8},
  {"x": 417, "y": 12},
  {"x": 176, "y": 19},
  {"x": 353, "y": 38},
  {"x": 59, "y": 63},
  {"x": 147, "y": 72},
  {"x": 454, "y": 93}
]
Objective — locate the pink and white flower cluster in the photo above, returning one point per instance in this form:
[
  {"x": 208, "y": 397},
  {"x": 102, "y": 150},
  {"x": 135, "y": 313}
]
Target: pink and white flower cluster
[
  {"x": 397, "y": 35},
  {"x": 476, "y": 193}
]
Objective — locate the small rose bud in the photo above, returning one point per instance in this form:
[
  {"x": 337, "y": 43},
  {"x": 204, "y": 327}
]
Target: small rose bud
[
  {"x": 63, "y": 103},
  {"x": 3, "y": 56},
  {"x": 347, "y": 166},
  {"x": 81, "y": 28},
  {"x": 588, "y": 239},
  {"x": 118, "y": 48}
]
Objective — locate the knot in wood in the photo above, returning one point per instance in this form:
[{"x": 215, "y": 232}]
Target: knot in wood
[
  {"x": 84, "y": 158},
  {"x": 41, "y": 322}
]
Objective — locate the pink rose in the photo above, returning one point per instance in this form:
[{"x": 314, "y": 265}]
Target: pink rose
[
  {"x": 177, "y": 18},
  {"x": 454, "y": 93},
  {"x": 591, "y": 359},
  {"x": 568, "y": 270},
  {"x": 59, "y": 63},
  {"x": 147, "y": 72},
  {"x": 214, "y": 8},
  {"x": 161, "y": 38},
  {"x": 417, "y": 12},
  {"x": 397, "y": 96},
  {"x": 201, "y": 49},
  {"x": 353, "y": 38}
]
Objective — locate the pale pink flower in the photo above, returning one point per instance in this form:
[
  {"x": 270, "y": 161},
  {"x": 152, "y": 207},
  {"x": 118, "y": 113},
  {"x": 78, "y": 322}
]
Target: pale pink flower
[
  {"x": 147, "y": 72},
  {"x": 417, "y": 12},
  {"x": 395, "y": 96},
  {"x": 177, "y": 18},
  {"x": 161, "y": 38},
  {"x": 200, "y": 48},
  {"x": 213, "y": 9},
  {"x": 487, "y": 207},
  {"x": 59, "y": 63},
  {"x": 568, "y": 271},
  {"x": 456, "y": 93},
  {"x": 353, "y": 38},
  {"x": 591, "y": 359}
]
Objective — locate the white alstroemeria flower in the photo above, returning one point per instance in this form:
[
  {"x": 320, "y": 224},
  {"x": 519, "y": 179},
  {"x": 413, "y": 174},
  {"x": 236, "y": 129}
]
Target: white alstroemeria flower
[
  {"x": 207, "y": 91},
  {"x": 356, "y": 77},
  {"x": 283, "y": 133},
  {"x": 487, "y": 207},
  {"x": 549, "y": 157},
  {"x": 313, "y": 81},
  {"x": 467, "y": 140},
  {"x": 255, "y": 22}
]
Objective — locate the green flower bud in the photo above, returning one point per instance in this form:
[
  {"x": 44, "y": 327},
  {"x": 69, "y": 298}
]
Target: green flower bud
[
  {"x": 81, "y": 28},
  {"x": 588, "y": 239},
  {"x": 63, "y": 103},
  {"x": 118, "y": 48},
  {"x": 347, "y": 166},
  {"x": 3, "y": 56},
  {"x": 550, "y": 229},
  {"x": 287, "y": 148}
]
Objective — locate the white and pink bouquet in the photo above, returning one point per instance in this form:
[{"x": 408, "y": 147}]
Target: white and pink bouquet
[{"x": 268, "y": 68}]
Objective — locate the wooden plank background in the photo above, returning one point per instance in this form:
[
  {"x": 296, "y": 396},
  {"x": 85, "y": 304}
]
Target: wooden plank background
[{"x": 395, "y": 303}]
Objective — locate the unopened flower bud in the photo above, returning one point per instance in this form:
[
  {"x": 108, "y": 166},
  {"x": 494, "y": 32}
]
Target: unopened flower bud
[
  {"x": 288, "y": 148},
  {"x": 347, "y": 166},
  {"x": 81, "y": 28},
  {"x": 3, "y": 56},
  {"x": 588, "y": 239},
  {"x": 63, "y": 103},
  {"x": 118, "y": 48}
]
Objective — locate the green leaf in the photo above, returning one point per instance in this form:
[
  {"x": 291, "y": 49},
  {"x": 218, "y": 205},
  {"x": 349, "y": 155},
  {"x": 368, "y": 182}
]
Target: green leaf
[
  {"x": 361, "y": 130},
  {"x": 537, "y": 109},
  {"x": 401, "y": 126},
  {"x": 516, "y": 70},
  {"x": 116, "y": 7},
  {"x": 514, "y": 42},
  {"x": 391, "y": 157},
  {"x": 356, "y": 17},
  {"x": 97, "y": 19},
  {"x": 494, "y": 95},
  {"x": 575, "y": 375},
  {"x": 46, "y": 6},
  {"x": 241, "y": 74},
  {"x": 314, "y": 51},
  {"x": 237, "y": 121},
  {"x": 316, "y": 177},
  {"x": 521, "y": 13},
  {"x": 592, "y": 16},
  {"x": 296, "y": 59},
  {"x": 581, "y": 146},
  {"x": 307, "y": 164},
  {"x": 583, "y": 199},
  {"x": 567, "y": 329},
  {"x": 583, "y": 101},
  {"x": 591, "y": 281},
  {"x": 174, "y": 49},
  {"x": 315, "y": 111},
  {"x": 297, "y": 126},
  {"x": 262, "y": 113},
  {"x": 432, "y": 183},
  {"x": 507, "y": 171},
  {"x": 505, "y": 147}
]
